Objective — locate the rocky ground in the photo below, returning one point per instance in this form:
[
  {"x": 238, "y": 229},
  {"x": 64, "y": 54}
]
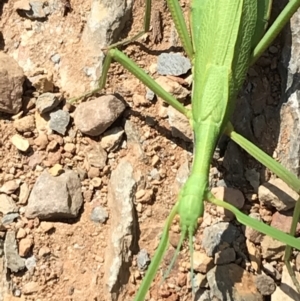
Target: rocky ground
[{"x": 85, "y": 187}]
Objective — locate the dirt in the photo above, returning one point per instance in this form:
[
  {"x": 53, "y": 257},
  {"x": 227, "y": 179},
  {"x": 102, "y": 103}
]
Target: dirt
[{"x": 74, "y": 270}]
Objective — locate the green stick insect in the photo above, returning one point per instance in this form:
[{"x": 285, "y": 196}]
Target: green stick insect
[{"x": 227, "y": 36}]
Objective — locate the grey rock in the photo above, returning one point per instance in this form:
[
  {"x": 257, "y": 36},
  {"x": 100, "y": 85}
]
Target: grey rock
[
  {"x": 234, "y": 164},
  {"x": 172, "y": 64},
  {"x": 259, "y": 125},
  {"x": 99, "y": 215},
  {"x": 46, "y": 102},
  {"x": 59, "y": 121},
  {"x": 13, "y": 260},
  {"x": 112, "y": 138},
  {"x": 143, "y": 260},
  {"x": 7, "y": 205},
  {"x": 96, "y": 156},
  {"x": 288, "y": 147},
  {"x": 243, "y": 116},
  {"x": 221, "y": 183},
  {"x": 154, "y": 174},
  {"x": 253, "y": 177},
  {"x": 265, "y": 284},
  {"x": 203, "y": 295},
  {"x": 225, "y": 256},
  {"x": 9, "y": 218},
  {"x": 37, "y": 10},
  {"x": 132, "y": 132},
  {"x": 95, "y": 116},
  {"x": 277, "y": 194},
  {"x": 118, "y": 256},
  {"x": 54, "y": 198},
  {"x": 104, "y": 21},
  {"x": 55, "y": 58},
  {"x": 5, "y": 284},
  {"x": 11, "y": 84},
  {"x": 30, "y": 263},
  {"x": 232, "y": 283},
  {"x": 214, "y": 235},
  {"x": 150, "y": 95},
  {"x": 104, "y": 31}
]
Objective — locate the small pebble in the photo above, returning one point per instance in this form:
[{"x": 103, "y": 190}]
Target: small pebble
[
  {"x": 99, "y": 215},
  {"x": 143, "y": 260}
]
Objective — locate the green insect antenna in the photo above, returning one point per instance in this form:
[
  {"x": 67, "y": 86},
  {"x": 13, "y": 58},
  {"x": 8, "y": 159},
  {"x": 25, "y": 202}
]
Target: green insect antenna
[{"x": 182, "y": 237}]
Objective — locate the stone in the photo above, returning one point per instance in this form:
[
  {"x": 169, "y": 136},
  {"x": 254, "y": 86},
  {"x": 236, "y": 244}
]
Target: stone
[
  {"x": 12, "y": 258},
  {"x": 94, "y": 117},
  {"x": 7, "y": 205},
  {"x": 180, "y": 125},
  {"x": 201, "y": 262},
  {"x": 230, "y": 195},
  {"x": 20, "y": 143},
  {"x": 25, "y": 124},
  {"x": 265, "y": 284},
  {"x": 10, "y": 187},
  {"x": 46, "y": 102},
  {"x": 173, "y": 64},
  {"x": 59, "y": 120},
  {"x": 11, "y": 84},
  {"x": 54, "y": 198},
  {"x": 25, "y": 245},
  {"x": 231, "y": 282},
  {"x": 277, "y": 194},
  {"x": 118, "y": 253},
  {"x": 112, "y": 139},
  {"x": 215, "y": 235},
  {"x": 99, "y": 215}
]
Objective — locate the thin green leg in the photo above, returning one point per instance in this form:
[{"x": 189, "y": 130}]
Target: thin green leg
[
  {"x": 132, "y": 67},
  {"x": 156, "y": 260},
  {"x": 275, "y": 29},
  {"x": 181, "y": 27},
  {"x": 282, "y": 173},
  {"x": 288, "y": 249}
]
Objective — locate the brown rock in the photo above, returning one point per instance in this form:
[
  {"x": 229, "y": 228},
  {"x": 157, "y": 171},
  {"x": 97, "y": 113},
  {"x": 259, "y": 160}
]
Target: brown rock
[
  {"x": 25, "y": 124},
  {"x": 21, "y": 233},
  {"x": 43, "y": 251},
  {"x": 30, "y": 288},
  {"x": 11, "y": 84},
  {"x": 230, "y": 195},
  {"x": 94, "y": 117},
  {"x": 201, "y": 262},
  {"x": 41, "y": 141},
  {"x": 25, "y": 245}
]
